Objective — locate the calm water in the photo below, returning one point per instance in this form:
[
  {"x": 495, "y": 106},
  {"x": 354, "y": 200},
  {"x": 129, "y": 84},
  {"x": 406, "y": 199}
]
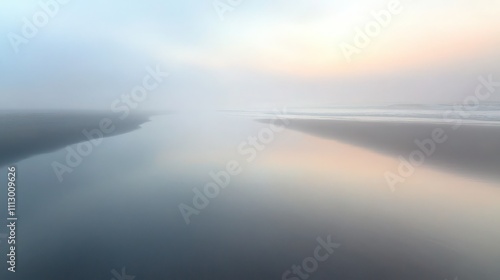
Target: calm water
[{"x": 119, "y": 207}]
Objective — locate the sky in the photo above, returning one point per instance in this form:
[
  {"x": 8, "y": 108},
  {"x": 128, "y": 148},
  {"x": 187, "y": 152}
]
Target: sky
[{"x": 256, "y": 54}]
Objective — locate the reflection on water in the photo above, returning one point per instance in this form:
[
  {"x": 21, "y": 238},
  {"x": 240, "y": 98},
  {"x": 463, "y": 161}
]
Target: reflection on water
[
  {"x": 120, "y": 209},
  {"x": 26, "y": 134},
  {"x": 470, "y": 149}
]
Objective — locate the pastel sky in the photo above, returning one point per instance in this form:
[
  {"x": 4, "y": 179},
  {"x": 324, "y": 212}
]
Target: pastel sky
[{"x": 263, "y": 54}]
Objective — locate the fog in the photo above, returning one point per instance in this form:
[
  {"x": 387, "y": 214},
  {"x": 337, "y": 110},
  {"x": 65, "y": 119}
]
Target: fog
[{"x": 120, "y": 207}]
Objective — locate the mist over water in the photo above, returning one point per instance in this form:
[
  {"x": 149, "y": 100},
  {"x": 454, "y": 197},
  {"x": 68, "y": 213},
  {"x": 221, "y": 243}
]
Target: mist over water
[
  {"x": 120, "y": 206},
  {"x": 233, "y": 139}
]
